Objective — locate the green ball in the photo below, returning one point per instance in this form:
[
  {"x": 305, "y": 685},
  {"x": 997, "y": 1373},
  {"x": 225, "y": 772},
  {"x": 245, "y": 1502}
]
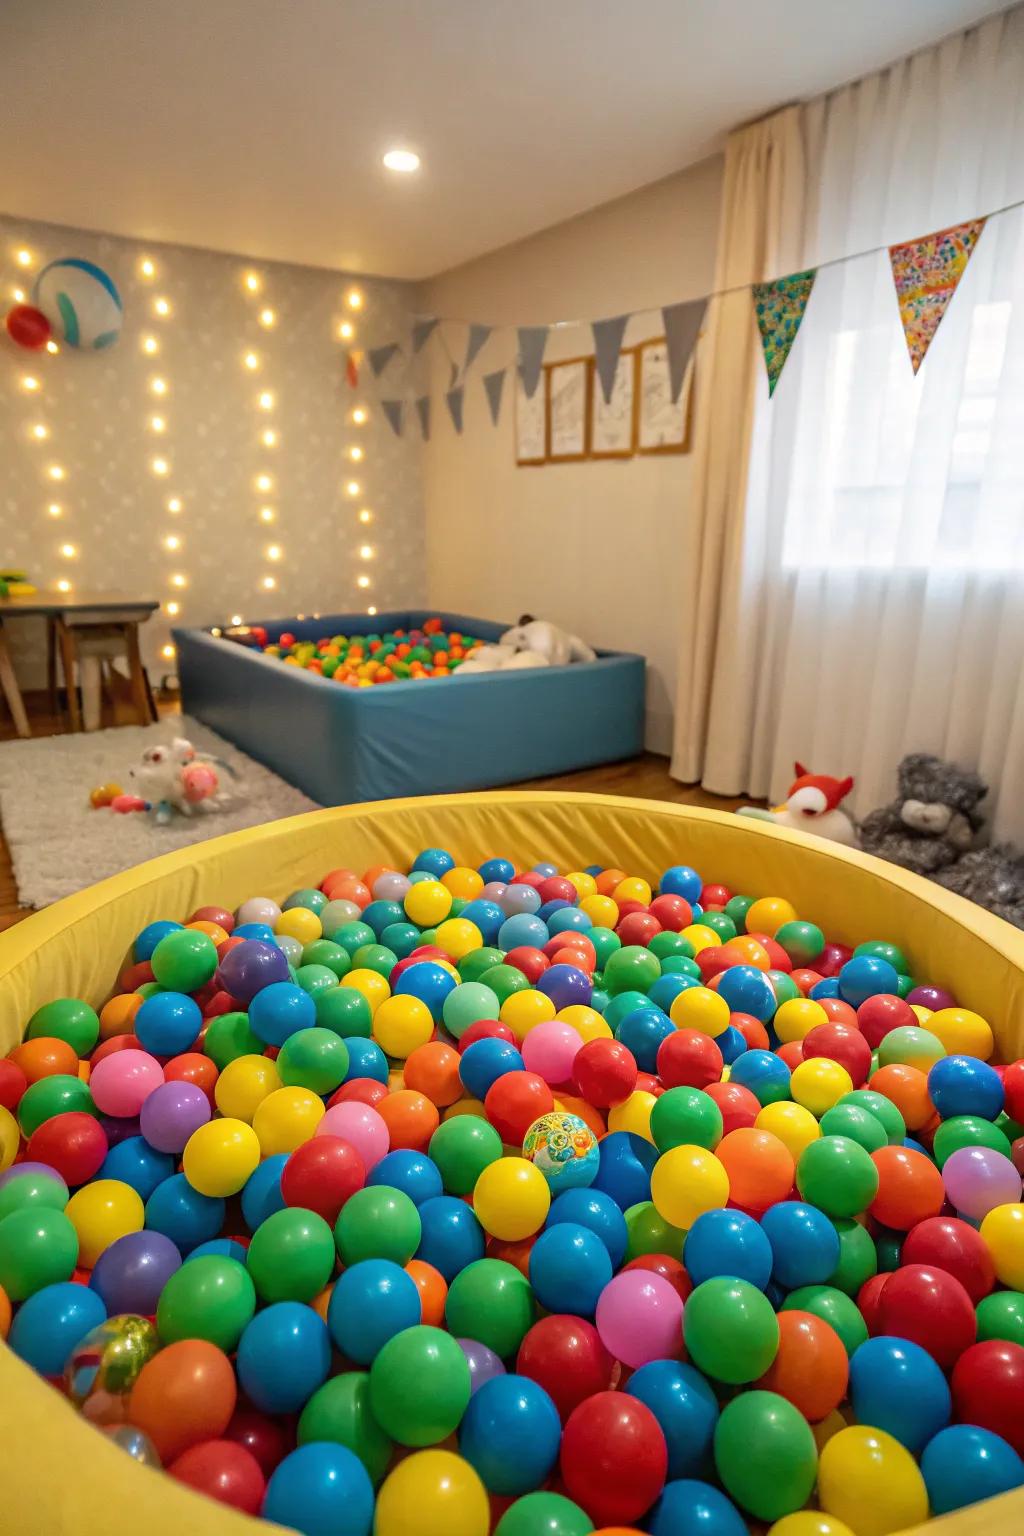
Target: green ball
[
  {"x": 881, "y": 949},
  {"x": 466, "y": 1004},
  {"x": 291, "y": 1256},
  {"x": 58, "y": 1094},
  {"x": 680, "y": 965},
  {"x": 911, "y": 1046},
  {"x": 631, "y": 969},
  {"x": 858, "y": 1259},
  {"x": 967, "y": 1131},
  {"x": 353, "y": 935},
  {"x": 401, "y": 937},
  {"x": 686, "y": 1117},
  {"x": 378, "y": 1223},
  {"x": 648, "y": 1232},
  {"x": 784, "y": 987},
  {"x": 458, "y": 902},
  {"x": 883, "y": 1109},
  {"x": 544, "y": 1514},
  {"x": 208, "y": 1298},
  {"x": 667, "y": 945},
  {"x": 38, "y": 1246},
  {"x": 313, "y": 1058},
  {"x": 313, "y": 901},
  {"x": 857, "y": 1124},
  {"x": 492, "y": 1302},
  {"x": 462, "y": 1148},
  {"x": 1001, "y": 1316},
  {"x": 228, "y": 1036},
  {"x": 184, "y": 960},
  {"x": 344, "y": 1011},
  {"x": 837, "y": 1175},
  {"x": 765, "y": 1455},
  {"x": 720, "y": 923},
  {"x": 605, "y": 942},
  {"x": 419, "y": 1386},
  {"x": 1011, "y": 1129},
  {"x": 599, "y": 997},
  {"x": 34, "y": 1191},
  {"x": 67, "y": 1019},
  {"x": 621, "y": 1005},
  {"x": 737, "y": 908},
  {"x": 472, "y": 967},
  {"x": 375, "y": 957},
  {"x": 889, "y": 1249},
  {"x": 834, "y": 1307},
  {"x": 149, "y": 989},
  {"x": 905, "y": 985},
  {"x": 803, "y": 942},
  {"x": 315, "y": 978},
  {"x": 340, "y": 1411},
  {"x": 503, "y": 981},
  {"x": 730, "y": 1329}
]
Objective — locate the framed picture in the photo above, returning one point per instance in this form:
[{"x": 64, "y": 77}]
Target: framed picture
[
  {"x": 664, "y": 425},
  {"x": 613, "y": 423},
  {"x": 568, "y": 393},
  {"x": 531, "y": 423}
]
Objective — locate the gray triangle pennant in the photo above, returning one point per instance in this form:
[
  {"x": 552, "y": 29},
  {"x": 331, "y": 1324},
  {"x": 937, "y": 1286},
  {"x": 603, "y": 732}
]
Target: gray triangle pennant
[
  {"x": 608, "y": 336},
  {"x": 394, "y": 410},
  {"x": 421, "y": 333},
  {"x": 454, "y": 398},
  {"x": 478, "y": 334},
  {"x": 682, "y": 324},
  {"x": 453, "y": 374},
  {"x": 381, "y": 356},
  {"x": 423, "y": 412},
  {"x": 494, "y": 384},
  {"x": 532, "y": 341}
]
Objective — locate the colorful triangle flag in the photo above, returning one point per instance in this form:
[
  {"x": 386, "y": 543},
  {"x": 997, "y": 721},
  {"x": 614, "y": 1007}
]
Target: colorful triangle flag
[
  {"x": 394, "y": 411},
  {"x": 352, "y": 370},
  {"x": 779, "y": 307},
  {"x": 926, "y": 272}
]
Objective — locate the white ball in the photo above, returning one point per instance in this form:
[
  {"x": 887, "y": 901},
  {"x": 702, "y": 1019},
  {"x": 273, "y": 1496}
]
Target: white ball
[{"x": 81, "y": 302}]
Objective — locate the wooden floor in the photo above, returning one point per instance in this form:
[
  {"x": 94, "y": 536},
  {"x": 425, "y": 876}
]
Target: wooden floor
[{"x": 646, "y": 777}]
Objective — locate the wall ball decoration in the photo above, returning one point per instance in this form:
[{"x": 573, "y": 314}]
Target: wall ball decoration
[
  {"x": 81, "y": 302},
  {"x": 28, "y": 327}
]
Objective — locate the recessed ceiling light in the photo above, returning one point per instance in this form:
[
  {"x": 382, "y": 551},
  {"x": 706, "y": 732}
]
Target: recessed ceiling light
[{"x": 403, "y": 160}]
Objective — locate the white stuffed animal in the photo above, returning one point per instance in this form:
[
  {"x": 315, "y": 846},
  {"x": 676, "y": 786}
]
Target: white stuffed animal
[
  {"x": 171, "y": 778},
  {"x": 556, "y": 646}
]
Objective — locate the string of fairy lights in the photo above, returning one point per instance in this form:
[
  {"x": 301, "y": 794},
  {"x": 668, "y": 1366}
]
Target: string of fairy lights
[
  {"x": 40, "y": 431},
  {"x": 158, "y": 312}
]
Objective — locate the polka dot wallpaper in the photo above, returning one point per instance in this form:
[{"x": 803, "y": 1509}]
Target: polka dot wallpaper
[{"x": 214, "y": 458}]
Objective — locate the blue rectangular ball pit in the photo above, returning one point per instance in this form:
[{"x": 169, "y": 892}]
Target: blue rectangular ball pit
[{"x": 341, "y": 745}]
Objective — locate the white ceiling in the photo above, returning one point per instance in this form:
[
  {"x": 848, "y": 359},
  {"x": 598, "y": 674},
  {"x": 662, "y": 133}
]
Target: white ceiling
[{"x": 257, "y": 126}]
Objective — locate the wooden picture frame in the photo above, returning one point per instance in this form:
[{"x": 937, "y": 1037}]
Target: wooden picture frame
[
  {"x": 531, "y": 432},
  {"x": 662, "y": 426},
  {"x": 568, "y": 404},
  {"x": 614, "y": 427}
]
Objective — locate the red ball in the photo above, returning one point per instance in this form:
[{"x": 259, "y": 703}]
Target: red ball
[
  {"x": 565, "y": 1356},
  {"x": 945, "y": 1242},
  {"x": 514, "y": 1102},
  {"x": 574, "y": 954},
  {"x": 557, "y": 888},
  {"x": 222, "y": 1002},
  {"x": 604, "y": 1072},
  {"x": 614, "y": 1458},
  {"x": 646, "y": 1082},
  {"x": 832, "y": 959},
  {"x": 219, "y": 915},
  {"x": 28, "y": 327},
  {"x": 268, "y": 1440},
  {"x": 359, "y": 1090},
  {"x": 674, "y": 913},
  {"x": 193, "y": 1067},
  {"x": 531, "y": 961},
  {"x": 689, "y": 1059},
  {"x": 792, "y": 1053},
  {"x": 806, "y": 979},
  {"x": 581, "y": 949},
  {"x": 740, "y": 1108},
  {"x": 626, "y": 908},
  {"x": 716, "y": 959},
  {"x": 74, "y": 1144},
  {"x": 838, "y": 1011},
  {"x": 843, "y": 1044},
  {"x": 869, "y": 1300},
  {"x": 882, "y": 1013},
  {"x": 134, "y": 975},
  {"x": 714, "y": 898},
  {"x": 484, "y": 1029},
  {"x": 531, "y": 877},
  {"x": 638, "y": 928},
  {"x": 778, "y": 958},
  {"x": 668, "y": 1268},
  {"x": 910, "y": 1188},
  {"x": 929, "y": 1307},
  {"x": 13, "y": 1083},
  {"x": 1013, "y": 1088},
  {"x": 321, "y": 1174},
  {"x": 115, "y": 1043},
  {"x": 988, "y": 1389},
  {"x": 223, "y": 1470},
  {"x": 752, "y": 1030}
]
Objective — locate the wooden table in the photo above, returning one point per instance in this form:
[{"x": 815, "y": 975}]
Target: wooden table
[{"x": 66, "y": 614}]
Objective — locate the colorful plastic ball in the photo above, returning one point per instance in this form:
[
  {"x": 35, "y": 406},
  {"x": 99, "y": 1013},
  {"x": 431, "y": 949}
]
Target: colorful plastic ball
[
  {"x": 286, "y": 1118},
  {"x": 686, "y": 1410},
  {"x": 759, "y": 1167},
  {"x": 68, "y": 1019},
  {"x": 764, "y": 1074},
  {"x": 569, "y": 1268},
  {"x": 171, "y": 1114},
  {"x": 429, "y": 982},
  {"x": 811, "y": 1368},
  {"x": 1001, "y": 1316},
  {"x": 978, "y": 1180},
  {"x": 896, "y": 1386},
  {"x": 434, "y": 1493},
  {"x": 511, "y": 1434},
  {"x": 1002, "y": 1231},
  {"x": 604, "y": 1072},
  {"x": 988, "y": 1389},
  {"x": 634, "y": 1116},
  {"x": 614, "y": 1458},
  {"x": 224, "y": 1471},
  {"x": 412, "y": 1172},
  {"x": 689, "y": 1058},
  {"x": 208, "y": 1298},
  {"x": 131, "y": 1273},
  {"x": 687, "y": 1181},
  {"x": 101, "y": 1212},
  {"x": 262, "y": 1196},
  {"x": 689, "y": 1507},
  {"x": 564, "y": 1149},
  {"x": 910, "y": 1188},
  {"x": 168, "y": 1022},
  {"x": 249, "y": 967},
  {"x": 515, "y": 1101},
  {"x": 339, "y": 1412},
  {"x": 805, "y": 1245},
  {"x": 730, "y": 1329},
  {"x": 121, "y": 1082},
  {"x": 747, "y": 990},
  {"x": 57, "y": 1094},
  {"x": 962, "y": 1032},
  {"x": 700, "y": 1009},
  {"x": 929, "y": 1307},
  {"x": 511, "y": 1198},
  {"x": 291, "y": 1256},
  {"x": 550, "y": 1050},
  {"x": 963, "y": 1085},
  {"x": 866, "y": 976},
  {"x": 964, "y": 1465},
  {"x": 183, "y": 1214},
  {"x": 283, "y": 1357},
  {"x": 280, "y": 1010},
  {"x": 51, "y": 1322},
  {"x": 419, "y": 1386},
  {"x": 818, "y": 1084},
  {"x": 38, "y": 1247},
  {"x": 725, "y": 1242},
  {"x": 371, "y": 1301},
  {"x": 149, "y": 937},
  {"x": 837, "y": 1175},
  {"x": 183, "y": 1395},
  {"x": 451, "y": 1235},
  {"x": 220, "y": 1157},
  {"x": 184, "y": 960},
  {"x": 869, "y": 1480},
  {"x": 483, "y": 1062},
  {"x": 765, "y": 1454},
  {"x": 792, "y": 1124},
  {"x": 625, "y": 1167},
  {"x": 321, "y": 1489},
  {"x": 833, "y": 1307}
]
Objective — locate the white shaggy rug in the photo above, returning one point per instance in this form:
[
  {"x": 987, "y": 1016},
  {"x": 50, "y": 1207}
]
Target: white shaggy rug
[{"x": 59, "y": 844}]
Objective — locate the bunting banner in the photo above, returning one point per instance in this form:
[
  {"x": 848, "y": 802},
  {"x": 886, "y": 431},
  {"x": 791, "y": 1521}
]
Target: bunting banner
[
  {"x": 453, "y": 374},
  {"x": 926, "y": 273},
  {"x": 421, "y": 332},
  {"x": 682, "y": 324},
  {"x": 454, "y": 398},
  {"x": 494, "y": 385},
  {"x": 533, "y": 339},
  {"x": 423, "y": 412},
  {"x": 478, "y": 335},
  {"x": 779, "y": 307},
  {"x": 352, "y": 370},
  {"x": 394, "y": 410},
  {"x": 608, "y": 336},
  {"x": 381, "y": 356}
]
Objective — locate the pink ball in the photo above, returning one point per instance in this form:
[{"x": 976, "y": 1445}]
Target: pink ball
[
  {"x": 361, "y": 1126},
  {"x": 977, "y": 1179},
  {"x": 550, "y": 1050},
  {"x": 258, "y": 909},
  {"x": 493, "y": 889},
  {"x": 122, "y": 1081},
  {"x": 390, "y": 886},
  {"x": 640, "y": 1318}
]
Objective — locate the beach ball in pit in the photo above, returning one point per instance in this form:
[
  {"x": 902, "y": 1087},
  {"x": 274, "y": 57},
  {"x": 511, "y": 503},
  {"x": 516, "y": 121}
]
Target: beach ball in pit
[
  {"x": 103, "y": 1367},
  {"x": 564, "y": 1149},
  {"x": 81, "y": 302}
]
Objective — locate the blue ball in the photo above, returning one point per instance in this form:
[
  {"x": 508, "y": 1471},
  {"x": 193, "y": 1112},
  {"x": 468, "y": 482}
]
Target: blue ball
[
  {"x": 167, "y": 1023},
  {"x": 428, "y": 981},
  {"x": 965, "y": 1464},
  {"x": 277, "y": 1012},
  {"x": 827, "y": 987},
  {"x": 493, "y": 870},
  {"x": 765, "y": 1074},
  {"x": 135, "y": 1162},
  {"x": 518, "y": 898},
  {"x": 566, "y": 985},
  {"x": 183, "y": 1214},
  {"x": 690, "y": 1508},
  {"x": 261, "y": 931},
  {"x": 642, "y": 1032},
  {"x": 549, "y": 908},
  {"x": 49, "y": 1324},
  {"x": 371, "y": 1302},
  {"x": 598, "y": 1212},
  {"x": 569, "y": 919},
  {"x": 686, "y": 1410},
  {"x": 805, "y": 1244},
  {"x": 732, "y": 1043},
  {"x": 897, "y": 1386},
  {"x": 414, "y": 1173},
  {"x": 728, "y": 1243},
  {"x": 483, "y": 1062},
  {"x": 379, "y": 915},
  {"x": 668, "y": 987},
  {"x": 748, "y": 990},
  {"x": 962, "y": 1085},
  {"x": 365, "y": 1059},
  {"x": 261, "y": 1196},
  {"x": 416, "y": 875},
  {"x": 284, "y": 1354},
  {"x": 522, "y": 929},
  {"x": 545, "y": 868},
  {"x": 682, "y": 881},
  {"x": 451, "y": 1236},
  {"x": 401, "y": 938},
  {"x": 866, "y": 976},
  {"x": 569, "y": 1268},
  {"x": 434, "y": 861},
  {"x": 510, "y": 1433},
  {"x": 624, "y": 1171},
  {"x": 322, "y": 1489},
  {"x": 147, "y": 939},
  {"x": 220, "y": 1248},
  {"x": 487, "y": 916}
]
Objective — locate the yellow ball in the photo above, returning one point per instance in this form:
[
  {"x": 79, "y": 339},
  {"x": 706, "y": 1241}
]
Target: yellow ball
[
  {"x": 427, "y": 903},
  {"x": 962, "y": 1032},
  {"x": 700, "y": 1008},
  {"x": 401, "y": 1024},
  {"x": 467, "y": 1106},
  {"x": 823, "y": 1431},
  {"x": 921, "y": 1013},
  {"x": 10, "y": 1138},
  {"x": 686, "y": 1181},
  {"x": 633, "y": 1114},
  {"x": 521, "y": 1011},
  {"x": 371, "y": 984},
  {"x": 796, "y": 1017},
  {"x": 818, "y": 1083},
  {"x": 794, "y": 1125},
  {"x": 243, "y": 1085},
  {"x": 587, "y": 1022},
  {"x": 220, "y": 1156},
  {"x": 811, "y": 1522},
  {"x": 458, "y": 937},
  {"x": 102, "y": 1212},
  {"x": 585, "y": 884},
  {"x": 511, "y": 1199},
  {"x": 299, "y": 923},
  {"x": 633, "y": 889},
  {"x": 701, "y": 937},
  {"x": 768, "y": 914},
  {"x": 602, "y": 910},
  {"x": 432, "y": 1493},
  {"x": 286, "y": 1119},
  {"x": 463, "y": 883},
  {"x": 869, "y": 1480},
  {"x": 1002, "y": 1232}
]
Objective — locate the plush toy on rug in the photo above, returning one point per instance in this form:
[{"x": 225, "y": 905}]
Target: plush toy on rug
[
  {"x": 812, "y": 805},
  {"x": 530, "y": 643},
  {"x": 169, "y": 779},
  {"x": 933, "y": 820}
]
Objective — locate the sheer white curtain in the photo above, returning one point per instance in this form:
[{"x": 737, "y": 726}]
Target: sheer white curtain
[{"x": 890, "y": 614}]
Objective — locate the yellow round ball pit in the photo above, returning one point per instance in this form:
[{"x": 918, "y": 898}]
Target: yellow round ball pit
[{"x": 76, "y": 948}]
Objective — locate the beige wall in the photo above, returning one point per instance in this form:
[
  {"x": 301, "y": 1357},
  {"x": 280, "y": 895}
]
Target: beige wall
[{"x": 594, "y": 546}]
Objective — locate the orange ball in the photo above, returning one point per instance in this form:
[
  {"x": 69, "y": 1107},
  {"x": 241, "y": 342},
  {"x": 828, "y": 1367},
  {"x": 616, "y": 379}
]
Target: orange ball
[
  {"x": 117, "y": 1015},
  {"x": 759, "y": 1165},
  {"x": 907, "y": 1088},
  {"x": 322, "y": 1300},
  {"x": 350, "y": 890},
  {"x": 751, "y": 951},
  {"x": 433, "y": 1289},
  {"x": 373, "y": 874},
  {"x": 184, "y": 1394},
  {"x": 910, "y": 1188},
  {"x": 590, "y": 1116},
  {"x": 433, "y": 1070},
  {"x": 411, "y": 1119},
  {"x": 5, "y": 1313},
  {"x": 516, "y": 1253},
  {"x": 44, "y": 1057},
  {"x": 214, "y": 931},
  {"x": 811, "y": 1369},
  {"x": 335, "y": 876},
  {"x": 608, "y": 879}
]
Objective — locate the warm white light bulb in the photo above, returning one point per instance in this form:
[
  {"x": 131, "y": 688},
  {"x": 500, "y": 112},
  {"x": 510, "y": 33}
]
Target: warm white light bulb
[
  {"x": 236, "y": 618},
  {"x": 270, "y": 582},
  {"x": 52, "y": 347},
  {"x": 251, "y": 360},
  {"x": 68, "y": 551},
  {"x": 354, "y": 299},
  {"x": 56, "y": 472},
  {"x": 372, "y": 609},
  {"x": 353, "y": 488},
  {"x": 264, "y": 482},
  {"x": 346, "y": 330},
  {"x": 366, "y": 516},
  {"x": 363, "y": 581},
  {"x": 161, "y": 307},
  {"x": 55, "y": 509},
  {"x": 355, "y": 453},
  {"x": 174, "y": 505},
  {"x": 267, "y": 318},
  {"x": 24, "y": 258},
  {"x": 266, "y": 401},
  {"x": 19, "y": 295},
  {"x": 404, "y": 161},
  {"x": 360, "y": 415},
  {"x": 63, "y": 585},
  {"x": 252, "y": 282},
  {"x": 366, "y": 551},
  {"x": 172, "y": 541},
  {"x": 267, "y": 514},
  {"x": 269, "y": 437},
  {"x": 178, "y": 580},
  {"x": 273, "y": 551},
  {"x": 147, "y": 268},
  {"x": 29, "y": 383},
  {"x": 39, "y": 432},
  {"x": 150, "y": 345},
  {"x": 168, "y": 652},
  {"x": 158, "y": 424},
  {"x": 158, "y": 386},
  {"x": 160, "y": 467},
  {"x": 173, "y": 609}
]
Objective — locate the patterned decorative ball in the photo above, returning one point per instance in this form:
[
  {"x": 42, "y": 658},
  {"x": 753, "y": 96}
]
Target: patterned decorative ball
[
  {"x": 102, "y": 1368},
  {"x": 565, "y": 1150},
  {"x": 81, "y": 302}
]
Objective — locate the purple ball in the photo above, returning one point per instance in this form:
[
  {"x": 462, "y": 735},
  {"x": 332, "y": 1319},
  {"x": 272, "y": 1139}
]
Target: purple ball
[
  {"x": 517, "y": 898},
  {"x": 131, "y": 1273},
  {"x": 117, "y": 1129},
  {"x": 17, "y": 1169},
  {"x": 931, "y": 997},
  {"x": 249, "y": 967},
  {"x": 171, "y": 1113},
  {"x": 483, "y": 1363},
  {"x": 565, "y": 985}
]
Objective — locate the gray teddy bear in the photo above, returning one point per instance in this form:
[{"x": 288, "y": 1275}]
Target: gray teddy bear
[{"x": 933, "y": 820}]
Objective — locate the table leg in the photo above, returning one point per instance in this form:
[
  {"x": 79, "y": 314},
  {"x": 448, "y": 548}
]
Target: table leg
[
  {"x": 140, "y": 693},
  {"x": 68, "y": 653},
  {"x": 89, "y": 672},
  {"x": 51, "y": 665},
  {"x": 12, "y": 693}
]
